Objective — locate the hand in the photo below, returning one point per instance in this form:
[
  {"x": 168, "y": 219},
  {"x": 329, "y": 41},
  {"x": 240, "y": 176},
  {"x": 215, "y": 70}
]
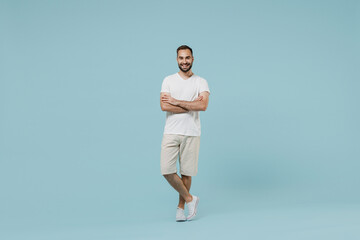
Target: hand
[
  {"x": 169, "y": 99},
  {"x": 200, "y": 98}
]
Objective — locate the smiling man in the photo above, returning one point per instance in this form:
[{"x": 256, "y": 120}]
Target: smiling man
[{"x": 183, "y": 95}]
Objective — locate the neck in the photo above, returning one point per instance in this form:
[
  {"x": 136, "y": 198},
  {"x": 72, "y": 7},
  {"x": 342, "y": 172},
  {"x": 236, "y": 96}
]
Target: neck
[{"x": 186, "y": 74}]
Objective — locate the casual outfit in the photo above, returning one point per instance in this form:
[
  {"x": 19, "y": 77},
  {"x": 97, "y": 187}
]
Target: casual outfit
[{"x": 182, "y": 130}]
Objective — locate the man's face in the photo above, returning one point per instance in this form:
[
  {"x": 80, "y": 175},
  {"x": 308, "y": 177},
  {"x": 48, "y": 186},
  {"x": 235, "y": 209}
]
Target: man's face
[{"x": 185, "y": 60}]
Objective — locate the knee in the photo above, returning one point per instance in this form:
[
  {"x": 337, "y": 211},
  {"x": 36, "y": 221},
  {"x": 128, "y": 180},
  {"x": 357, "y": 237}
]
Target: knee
[
  {"x": 168, "y": 176},
  {"x": 185, "y": 177}
]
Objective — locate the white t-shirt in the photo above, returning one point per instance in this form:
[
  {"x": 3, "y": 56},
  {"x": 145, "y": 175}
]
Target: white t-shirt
[{"x": 187, "y": 90}]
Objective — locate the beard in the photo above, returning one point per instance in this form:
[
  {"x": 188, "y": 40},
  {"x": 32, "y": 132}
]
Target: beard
[{"x": 185, "y": 69}]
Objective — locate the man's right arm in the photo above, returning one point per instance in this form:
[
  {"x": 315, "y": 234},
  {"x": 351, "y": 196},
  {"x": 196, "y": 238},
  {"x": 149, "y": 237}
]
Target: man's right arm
[{"x": 170, "y": 108}]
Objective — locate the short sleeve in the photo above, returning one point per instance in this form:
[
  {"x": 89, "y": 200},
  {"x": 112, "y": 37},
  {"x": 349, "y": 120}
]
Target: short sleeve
[
  {"x": 203, "y": 86},
  {"x": 165, "y": 86}
]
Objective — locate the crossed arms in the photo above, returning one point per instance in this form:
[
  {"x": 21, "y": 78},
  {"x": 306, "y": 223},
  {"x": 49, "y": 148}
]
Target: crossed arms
[{"x": 173, "y": 105}]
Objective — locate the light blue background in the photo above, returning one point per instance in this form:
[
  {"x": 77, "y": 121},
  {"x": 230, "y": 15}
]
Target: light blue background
[{"x": 81, "y": 125}]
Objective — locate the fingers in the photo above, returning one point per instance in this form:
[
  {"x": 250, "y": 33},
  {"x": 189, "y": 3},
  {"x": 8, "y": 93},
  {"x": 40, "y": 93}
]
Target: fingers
[
  {"x": 199, "y": 98},
  {"x": 165, "y": 98}
]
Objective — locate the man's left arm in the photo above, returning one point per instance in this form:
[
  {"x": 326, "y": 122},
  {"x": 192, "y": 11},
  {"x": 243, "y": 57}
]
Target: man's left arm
[{"x": 199, "y": 105}]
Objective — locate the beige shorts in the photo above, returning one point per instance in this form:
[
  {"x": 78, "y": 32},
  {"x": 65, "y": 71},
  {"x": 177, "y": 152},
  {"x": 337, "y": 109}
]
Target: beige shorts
[{"x": 186, "y": 147}]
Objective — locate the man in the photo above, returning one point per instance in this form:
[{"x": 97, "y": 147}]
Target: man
[{"x": 183, "y": 95}]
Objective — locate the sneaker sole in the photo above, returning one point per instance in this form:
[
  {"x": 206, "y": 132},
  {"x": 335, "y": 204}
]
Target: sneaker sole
[
  {"x": 181, "y": 220},
  {"x": 196, "y": 205}
]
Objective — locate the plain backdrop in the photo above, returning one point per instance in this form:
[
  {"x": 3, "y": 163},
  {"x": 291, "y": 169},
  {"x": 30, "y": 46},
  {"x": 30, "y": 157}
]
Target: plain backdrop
[{"x": 81, "y": 124}]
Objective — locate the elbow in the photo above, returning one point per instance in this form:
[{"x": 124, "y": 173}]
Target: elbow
[
  {"x": 203, "y": 108},
  {"x": 163, "y": 108},
  {"x": 205, "y": 105}
]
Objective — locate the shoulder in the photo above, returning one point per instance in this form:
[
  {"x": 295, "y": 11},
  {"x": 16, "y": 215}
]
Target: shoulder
[
  {"x": 170, "y": 77},
  {"x": 203, "y": 85},
  {"x": 200, "y": 79}
]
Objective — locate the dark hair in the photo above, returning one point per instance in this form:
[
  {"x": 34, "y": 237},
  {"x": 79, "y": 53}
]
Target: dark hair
[{"x": 183, "y": 47}]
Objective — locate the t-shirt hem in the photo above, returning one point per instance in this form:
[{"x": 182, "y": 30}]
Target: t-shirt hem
[{"x": 185, "y": 134}]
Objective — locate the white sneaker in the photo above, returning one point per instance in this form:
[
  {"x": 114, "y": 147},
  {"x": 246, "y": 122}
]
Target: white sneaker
[
  {"x": 192, "y": 207},
  {"x": 180, "y": 215}
]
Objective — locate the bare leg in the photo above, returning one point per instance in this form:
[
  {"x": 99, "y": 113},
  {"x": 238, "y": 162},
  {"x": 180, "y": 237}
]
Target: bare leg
[
  {"x": 176, "y": 182},
  {"x": 187, "y": 182}
]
